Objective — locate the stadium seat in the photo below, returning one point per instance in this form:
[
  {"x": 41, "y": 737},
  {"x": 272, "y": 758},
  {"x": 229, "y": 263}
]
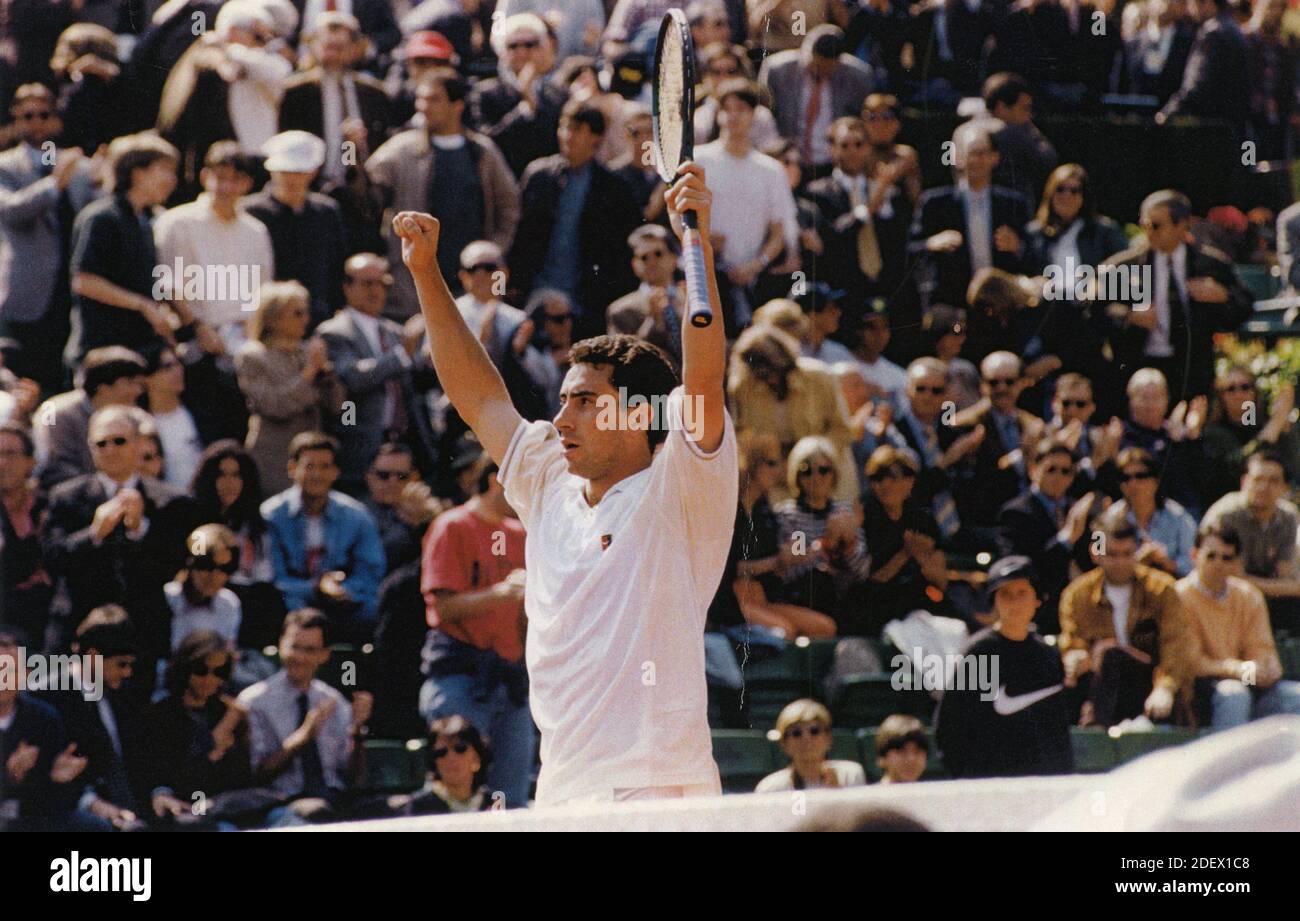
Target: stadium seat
[
  {"x": 865, "y": 700},
  {"x": 1132, "y": 745},
  {"x": 1288, "y": 650},
  {"x": 394, "y": 766},
  {"x": 1259, "y": 281},
  {"x": 773, "y": 682},
  {"x": 1094, "y": 750},
  {"x": 744, "y": 756}
]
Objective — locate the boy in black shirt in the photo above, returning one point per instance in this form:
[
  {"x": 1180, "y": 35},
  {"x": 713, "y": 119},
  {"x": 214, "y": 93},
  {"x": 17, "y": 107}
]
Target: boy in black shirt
[{"x": 1021, "y": 727}]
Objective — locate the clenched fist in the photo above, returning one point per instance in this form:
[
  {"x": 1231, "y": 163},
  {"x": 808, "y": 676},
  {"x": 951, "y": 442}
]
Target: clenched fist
[{"x": 419, "y": 235}]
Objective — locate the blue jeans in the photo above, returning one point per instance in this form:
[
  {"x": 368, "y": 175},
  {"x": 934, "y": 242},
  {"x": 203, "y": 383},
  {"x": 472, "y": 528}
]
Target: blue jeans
[
  {"x": 508, "y": 726},
  {"x": 1235, "y": 704}
]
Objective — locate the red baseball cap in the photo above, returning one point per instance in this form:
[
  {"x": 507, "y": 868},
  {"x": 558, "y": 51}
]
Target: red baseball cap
[{"x": 429, "y": 45}]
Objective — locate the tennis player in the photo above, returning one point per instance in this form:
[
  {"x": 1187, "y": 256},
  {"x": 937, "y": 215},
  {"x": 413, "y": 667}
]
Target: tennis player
[{"x": 629, "y": 499}]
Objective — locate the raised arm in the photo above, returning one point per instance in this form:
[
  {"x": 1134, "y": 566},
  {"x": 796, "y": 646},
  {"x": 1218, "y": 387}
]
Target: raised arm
[
  {"x": 466, "y": 373},
  {"x": 704, "y": 359}
]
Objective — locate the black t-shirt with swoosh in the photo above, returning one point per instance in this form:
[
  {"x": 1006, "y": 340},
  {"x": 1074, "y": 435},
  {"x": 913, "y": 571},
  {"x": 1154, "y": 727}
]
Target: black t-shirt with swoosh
[{"x": 1023, "y": 729}]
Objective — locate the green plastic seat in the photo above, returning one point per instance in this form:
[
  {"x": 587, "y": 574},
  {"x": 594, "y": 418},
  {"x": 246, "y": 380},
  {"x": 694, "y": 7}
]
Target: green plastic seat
[
  {"x": 394, "y": 766},
  {"x": 1132, "y": 745},
  {"x": 744, "y": 757},
  {"x": 1259, "y": 281},
  {"x": 1094, "y": 750},
  {"x": 865, "y": 700}
]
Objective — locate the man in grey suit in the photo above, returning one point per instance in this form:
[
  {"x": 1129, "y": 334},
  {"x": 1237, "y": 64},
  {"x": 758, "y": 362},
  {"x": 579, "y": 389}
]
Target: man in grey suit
[
  {"x": 374, "y": 358},
  {"x": 41, "y": 190},
  {"x": 813, "y": 86}
]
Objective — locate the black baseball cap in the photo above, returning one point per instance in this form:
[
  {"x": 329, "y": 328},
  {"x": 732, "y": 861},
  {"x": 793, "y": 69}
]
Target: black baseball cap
[{"x": 1009, "y": 569}]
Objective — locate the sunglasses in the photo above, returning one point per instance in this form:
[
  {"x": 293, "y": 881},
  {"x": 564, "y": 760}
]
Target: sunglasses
[
  {"x": 483, "y": 267},
  {"x": 797, "y": 732},
  {"x": 442, "y": 751},
  {"x": 1131, "y": 477},
  {"x": 934, "y": 390},
  {"x": 529, "y": 44},
  {"x": 809, "y": 470},
  {"x": 1076, "y": 404},
  {"x": 1001, "y": 381},
  {"x": 387, "y": 475},
  {"x": 116, "y": 441},
  {"x": 207, "y": 564},
  {"x": 201, "y": 670},
  {"x": 893, "y": 473}
]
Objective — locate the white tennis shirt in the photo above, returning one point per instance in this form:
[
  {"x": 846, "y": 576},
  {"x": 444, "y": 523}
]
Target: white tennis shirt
[{"x": 616, "y": 600}]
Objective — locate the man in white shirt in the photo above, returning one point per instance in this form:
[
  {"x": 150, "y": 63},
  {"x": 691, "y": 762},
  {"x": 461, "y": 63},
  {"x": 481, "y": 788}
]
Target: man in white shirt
[
  {"x": 229, "y": 249},
  {"x": 630, "y": 521},
  {"x": 756, "y": 216}
]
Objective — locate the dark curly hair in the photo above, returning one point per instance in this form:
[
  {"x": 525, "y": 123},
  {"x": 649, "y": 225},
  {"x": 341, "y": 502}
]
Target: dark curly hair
[
  {"x": 203, "y": 487},
  {"x": 642, "y": 369}
]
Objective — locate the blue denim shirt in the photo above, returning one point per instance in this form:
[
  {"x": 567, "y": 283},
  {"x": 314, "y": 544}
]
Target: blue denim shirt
[{"x": 352, "y": 544}]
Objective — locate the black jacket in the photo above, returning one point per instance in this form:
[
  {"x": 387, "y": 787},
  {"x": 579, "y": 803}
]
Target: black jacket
[
  {"x": 1191, "y": 331},
  {"x": 1014, "y": 736},
  {"x": 1215, "y": 83},
  {"x": 609, "y": 215},
  {"x": 839, "y": 228},
  {"x": 942, "y": 209},
  {"x": 119, "y": 570},
  {"x": 523, "y": 136}
]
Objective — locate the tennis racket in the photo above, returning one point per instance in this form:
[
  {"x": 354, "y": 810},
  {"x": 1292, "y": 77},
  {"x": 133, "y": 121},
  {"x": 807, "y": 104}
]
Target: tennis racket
[{"x": 674, "y": 143}]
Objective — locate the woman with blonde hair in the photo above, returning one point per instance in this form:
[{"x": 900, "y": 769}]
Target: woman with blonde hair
[
  {"x": 286, "y": 378},
  {"x": 805, "y": 730},
  {"x": 772, "y": 389},
  {"x": 751, "y": 589},
  {"x": 825, "y": 535}
]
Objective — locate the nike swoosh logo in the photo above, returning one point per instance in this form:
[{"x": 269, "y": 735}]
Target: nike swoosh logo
[{"x": 1005, "y": 705}]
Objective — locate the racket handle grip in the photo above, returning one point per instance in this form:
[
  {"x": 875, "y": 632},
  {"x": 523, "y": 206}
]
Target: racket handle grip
[{"x": 697, "y": 282}]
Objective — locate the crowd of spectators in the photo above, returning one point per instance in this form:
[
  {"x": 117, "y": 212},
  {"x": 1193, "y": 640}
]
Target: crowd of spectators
[{"x": 224, "y": 449}]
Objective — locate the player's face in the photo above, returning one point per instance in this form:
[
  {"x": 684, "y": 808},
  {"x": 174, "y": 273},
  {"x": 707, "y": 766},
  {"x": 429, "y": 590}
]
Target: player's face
[{"x": 596, "y": 437}]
